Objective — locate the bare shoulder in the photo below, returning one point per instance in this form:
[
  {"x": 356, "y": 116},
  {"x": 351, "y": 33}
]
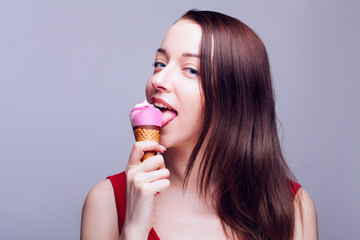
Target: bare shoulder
[
  {"x": 305, "y": 217},
  {"x": 99, "y": 216},
  {"x": 102, "y": 191}
]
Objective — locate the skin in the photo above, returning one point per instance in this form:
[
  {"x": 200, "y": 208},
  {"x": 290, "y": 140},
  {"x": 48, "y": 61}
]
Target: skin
[
  {"x": 176, "y": 81},
  {"x": 151, "y": 200}
]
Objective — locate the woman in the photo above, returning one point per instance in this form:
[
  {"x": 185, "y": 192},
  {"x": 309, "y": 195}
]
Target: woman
[{"x": 220, "y": 163}]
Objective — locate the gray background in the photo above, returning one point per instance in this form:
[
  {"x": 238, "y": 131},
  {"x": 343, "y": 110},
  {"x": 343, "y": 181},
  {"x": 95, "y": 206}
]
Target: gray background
[{"x": 70, "y": 71}]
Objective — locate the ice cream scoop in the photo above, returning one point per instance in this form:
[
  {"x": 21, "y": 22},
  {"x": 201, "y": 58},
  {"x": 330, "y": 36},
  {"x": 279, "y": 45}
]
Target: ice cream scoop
[
  {"x": 145, "y": 113},
  {"x": 146, "y": 121}
]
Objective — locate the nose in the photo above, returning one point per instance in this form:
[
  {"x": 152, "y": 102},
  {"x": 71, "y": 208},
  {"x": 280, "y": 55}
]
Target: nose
[{"x": 162, "y": 79}]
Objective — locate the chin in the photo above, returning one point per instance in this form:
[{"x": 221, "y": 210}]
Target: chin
[
  {"x": 169, "y": 140},
  {"x": 177, "y": 138},
  {"x": 167, "y": 143}
]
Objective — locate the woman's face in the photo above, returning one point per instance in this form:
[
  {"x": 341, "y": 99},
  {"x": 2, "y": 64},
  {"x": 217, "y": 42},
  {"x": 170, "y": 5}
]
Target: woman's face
[{"x": 175, "y": 87}]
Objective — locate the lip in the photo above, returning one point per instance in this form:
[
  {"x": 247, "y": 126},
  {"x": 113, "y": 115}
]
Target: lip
[
  {"x": 159, "y": 100},
  {"x": 166, "y": 119}
]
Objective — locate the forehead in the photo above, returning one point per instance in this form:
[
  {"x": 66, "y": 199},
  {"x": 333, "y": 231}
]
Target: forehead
[{"x": 183, "y": 36}]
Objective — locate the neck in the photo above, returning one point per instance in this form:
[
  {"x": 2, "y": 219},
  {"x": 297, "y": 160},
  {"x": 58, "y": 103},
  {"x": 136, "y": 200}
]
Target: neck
[{"x": 176, "y": 160}]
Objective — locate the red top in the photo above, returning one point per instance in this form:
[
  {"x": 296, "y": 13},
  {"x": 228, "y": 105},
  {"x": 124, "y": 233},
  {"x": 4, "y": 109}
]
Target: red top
[{"x": 118, "y": 182}]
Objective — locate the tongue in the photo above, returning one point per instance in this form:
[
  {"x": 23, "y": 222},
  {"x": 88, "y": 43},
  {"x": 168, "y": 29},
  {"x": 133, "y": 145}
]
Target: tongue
[{"x": 168, "y": 116}]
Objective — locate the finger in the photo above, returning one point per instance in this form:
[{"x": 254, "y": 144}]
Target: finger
[
  {"x": 152, "y": 164},
  {"x": 142, "y": 181},
  {"x": 157, "y": 175},
  {"x": 149, "y": 165},
  {"x": 159, "y": 186},
  {"x": 140, "y": 147}
]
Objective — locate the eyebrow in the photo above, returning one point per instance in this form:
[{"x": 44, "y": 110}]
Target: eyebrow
[
  {"x": 163, "y": 51},
  {"x": 191, "y": 55}
]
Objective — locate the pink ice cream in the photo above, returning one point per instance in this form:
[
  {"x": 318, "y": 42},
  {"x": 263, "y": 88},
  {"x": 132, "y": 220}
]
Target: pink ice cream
[{"x": 145, "y": 114}]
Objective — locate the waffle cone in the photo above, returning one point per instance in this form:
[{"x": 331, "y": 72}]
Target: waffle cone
[{"x": 147, "y": 134}]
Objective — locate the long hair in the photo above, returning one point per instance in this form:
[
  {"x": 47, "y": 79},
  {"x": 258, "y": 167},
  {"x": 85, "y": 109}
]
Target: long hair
[{"x": 242, "y": 153}]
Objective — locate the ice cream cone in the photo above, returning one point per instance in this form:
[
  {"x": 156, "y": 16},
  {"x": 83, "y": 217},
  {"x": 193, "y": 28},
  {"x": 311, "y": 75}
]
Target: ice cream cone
[
  {"x": 147, "y": 133},
  {"x": 146, "y": 121}
]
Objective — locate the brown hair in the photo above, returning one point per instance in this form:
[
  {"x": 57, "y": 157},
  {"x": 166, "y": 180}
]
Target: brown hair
[{"x": 243, "y": 156}]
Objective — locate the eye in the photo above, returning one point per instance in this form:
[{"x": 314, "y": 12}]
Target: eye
[
  {"x": 159, "y": 65},
  {"x": 192, "y": 71}
]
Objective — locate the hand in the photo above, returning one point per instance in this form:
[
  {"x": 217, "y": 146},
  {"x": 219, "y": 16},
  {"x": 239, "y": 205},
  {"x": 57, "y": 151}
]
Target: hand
[{"x": 144, "y": 180}]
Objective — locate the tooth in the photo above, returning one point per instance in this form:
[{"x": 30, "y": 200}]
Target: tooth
[{"x": 161, "y": 105}]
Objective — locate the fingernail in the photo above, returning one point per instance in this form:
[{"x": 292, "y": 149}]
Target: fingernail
[{"x": 163, "y": 148}]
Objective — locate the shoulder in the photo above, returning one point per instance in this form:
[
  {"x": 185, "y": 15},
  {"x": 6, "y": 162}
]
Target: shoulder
[
  {"x": 99, "y": 217},
  {"x": 100, "y": 193},
  {"x": 305, "y": 216},
  {"x": 118, "y": 180}
]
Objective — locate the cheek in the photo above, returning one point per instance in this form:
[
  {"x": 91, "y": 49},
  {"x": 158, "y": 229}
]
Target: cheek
[
  {"x": 194, "y": 103},
  {"x": 149, "y": 90}
]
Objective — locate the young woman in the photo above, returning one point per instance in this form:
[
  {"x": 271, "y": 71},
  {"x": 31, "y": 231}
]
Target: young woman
[{"x": 220, "y": 163}]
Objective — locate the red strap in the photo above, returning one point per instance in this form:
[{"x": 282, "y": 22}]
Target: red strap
[
  {"x": 294, "y": 187},
  {"x": 118, "y": 182}
]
